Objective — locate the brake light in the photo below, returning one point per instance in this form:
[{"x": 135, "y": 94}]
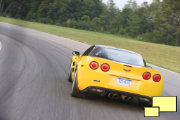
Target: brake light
[
  {"x": 105, "y": 67},
  {"x": 156, "y": 78},
  {"x": 147, "y": 75},
  {"x": 94, "y": 65}
]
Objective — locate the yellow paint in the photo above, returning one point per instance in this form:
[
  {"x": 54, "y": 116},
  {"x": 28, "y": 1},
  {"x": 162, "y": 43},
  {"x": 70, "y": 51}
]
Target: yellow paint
[
  {"x": 75, "y": 60},
  {"x": 151, "y": 112},
  {"x": 86, "y": 76},
  {"x": 166, "y": 104}
]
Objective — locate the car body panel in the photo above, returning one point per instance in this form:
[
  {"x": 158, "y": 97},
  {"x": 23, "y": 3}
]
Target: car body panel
[
  {"x": 88, "y": 77},
  {"x": 75, "y": 60}
]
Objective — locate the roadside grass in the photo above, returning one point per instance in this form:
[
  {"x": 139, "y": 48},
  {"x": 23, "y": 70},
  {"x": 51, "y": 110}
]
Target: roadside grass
[{"x": 161, "y": 55}]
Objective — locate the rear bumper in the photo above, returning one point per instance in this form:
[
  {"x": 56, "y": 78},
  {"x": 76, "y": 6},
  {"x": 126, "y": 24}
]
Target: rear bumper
[
  {"x": 139, "y": 87},
  {"x": 106, "y": 92}
]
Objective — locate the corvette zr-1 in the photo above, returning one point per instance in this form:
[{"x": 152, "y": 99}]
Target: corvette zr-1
[{"x": 114, "y": 72}]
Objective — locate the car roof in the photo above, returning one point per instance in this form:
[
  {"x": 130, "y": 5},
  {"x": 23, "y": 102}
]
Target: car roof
[{"x": 111, "y": 47}]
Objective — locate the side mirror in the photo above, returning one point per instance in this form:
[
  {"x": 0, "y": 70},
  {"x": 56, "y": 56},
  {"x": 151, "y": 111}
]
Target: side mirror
[{"x": 76, "y": 53}]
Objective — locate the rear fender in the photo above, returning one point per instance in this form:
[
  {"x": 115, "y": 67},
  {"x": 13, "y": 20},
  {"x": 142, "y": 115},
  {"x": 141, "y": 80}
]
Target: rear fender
[{"x": 75, "y": 60}]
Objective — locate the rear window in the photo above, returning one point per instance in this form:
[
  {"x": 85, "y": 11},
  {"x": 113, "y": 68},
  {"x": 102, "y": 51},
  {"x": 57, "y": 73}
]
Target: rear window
[
  {"x": 86, "y": 53},
  {"x": 121, "y": 56}
]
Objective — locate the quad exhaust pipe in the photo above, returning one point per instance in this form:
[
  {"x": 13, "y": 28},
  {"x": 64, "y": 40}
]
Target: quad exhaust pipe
[
  {"x": 114, "y": 96},
  {"x": 117, "y": 96},
  {"x": 126, "y": 98}
]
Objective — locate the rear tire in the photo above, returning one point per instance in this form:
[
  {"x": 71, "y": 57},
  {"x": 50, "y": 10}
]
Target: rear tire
[
  {"x": 75, "y": 90},
  {"x": 146, "y": 104},
  {"x": 149, "y": 104},
  {"x": 69, "y": 76}
]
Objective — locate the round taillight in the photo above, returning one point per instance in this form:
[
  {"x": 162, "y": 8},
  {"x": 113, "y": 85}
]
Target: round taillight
[
  {"x": 105, "y": 67},
  {"x": 147, "y": 75},
  {"x": 94, "y": 65},
  {"x": 156, "y": 78}
]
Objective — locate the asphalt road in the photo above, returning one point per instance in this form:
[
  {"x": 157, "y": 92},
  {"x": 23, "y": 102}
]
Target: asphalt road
[{"x": 33, "y": 81}]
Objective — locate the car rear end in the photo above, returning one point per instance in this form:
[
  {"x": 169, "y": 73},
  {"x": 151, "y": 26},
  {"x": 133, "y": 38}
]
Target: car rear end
[{"x": 107, "y": 77}]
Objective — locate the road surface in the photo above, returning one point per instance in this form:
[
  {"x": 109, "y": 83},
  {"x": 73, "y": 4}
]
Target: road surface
[{"x": 33, "y": 81}]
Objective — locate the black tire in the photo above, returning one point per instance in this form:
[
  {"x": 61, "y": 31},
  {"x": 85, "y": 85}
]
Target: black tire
[
  {"x": 149, "y": 104},
  {"x": 69, "y": 76},
  {"x": 146, "y": 104},
  {"x": 75, "y": 90}
]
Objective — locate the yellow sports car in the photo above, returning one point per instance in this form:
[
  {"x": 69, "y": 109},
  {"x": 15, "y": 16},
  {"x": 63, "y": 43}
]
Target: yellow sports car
[{"x": 116, "y": 73}]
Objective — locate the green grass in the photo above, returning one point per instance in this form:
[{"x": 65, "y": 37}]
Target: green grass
[{"x": 157, "y": 54}]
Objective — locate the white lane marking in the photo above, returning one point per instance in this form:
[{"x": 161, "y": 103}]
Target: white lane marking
[{"x": 0, "y": 45}]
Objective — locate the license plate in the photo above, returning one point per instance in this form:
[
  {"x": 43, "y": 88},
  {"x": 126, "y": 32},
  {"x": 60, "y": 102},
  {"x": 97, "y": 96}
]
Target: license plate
[{"x": 124, "y": 82}]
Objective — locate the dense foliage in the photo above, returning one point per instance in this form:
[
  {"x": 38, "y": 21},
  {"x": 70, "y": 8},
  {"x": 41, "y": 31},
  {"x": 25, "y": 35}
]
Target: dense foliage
[{"x": 158, "y": 22}]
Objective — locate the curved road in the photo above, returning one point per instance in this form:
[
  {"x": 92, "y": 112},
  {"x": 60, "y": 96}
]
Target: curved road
[{"x": 33, "y": 81}]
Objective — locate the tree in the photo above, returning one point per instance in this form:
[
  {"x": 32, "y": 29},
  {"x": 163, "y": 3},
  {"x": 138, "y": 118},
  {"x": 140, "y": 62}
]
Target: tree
[
  {"x": 132, "y": 4},
  {"x": 175, "y": 17},
  {"x": 158, "y": 22},
  {"x": 1, "y": 6}
]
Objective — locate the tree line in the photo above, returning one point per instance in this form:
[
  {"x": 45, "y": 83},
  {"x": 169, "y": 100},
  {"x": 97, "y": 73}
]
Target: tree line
[{"x": 157, "y": 22}]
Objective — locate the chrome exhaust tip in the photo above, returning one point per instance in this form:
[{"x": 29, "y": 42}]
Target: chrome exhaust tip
[
  {"x": 114, "y": 96},
  {"x": 126, "y": 98}
]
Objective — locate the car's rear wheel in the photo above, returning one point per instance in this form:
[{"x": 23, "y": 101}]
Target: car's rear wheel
[
  {"x": 69, "y": 75},
  {"x": 70, "y": 78},
  {"x": 75, "y": 90},
  {"x": 149, "y": 104},
  {"x": 145, "y": 104}
]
